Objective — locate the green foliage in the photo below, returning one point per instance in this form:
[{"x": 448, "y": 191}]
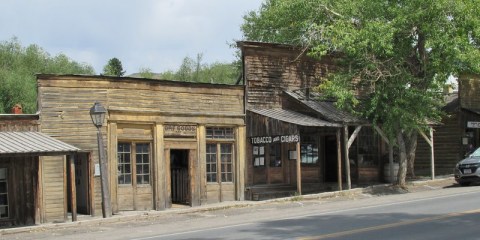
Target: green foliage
[
  {"x": 113, "y": 68},
  {"x": 18, "y": 66},
  {"x": 194, "y": 70},
  {"x": 146, "y": 73},
  {"x": 395, "y": 55}
]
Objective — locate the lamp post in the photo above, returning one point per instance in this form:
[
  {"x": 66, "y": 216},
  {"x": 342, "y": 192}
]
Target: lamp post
[{"x": 97, "y": 113}]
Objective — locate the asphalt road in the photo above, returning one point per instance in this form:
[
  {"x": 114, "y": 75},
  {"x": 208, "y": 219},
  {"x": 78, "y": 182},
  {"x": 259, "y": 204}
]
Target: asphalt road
[{"x": 440, "y": 213}]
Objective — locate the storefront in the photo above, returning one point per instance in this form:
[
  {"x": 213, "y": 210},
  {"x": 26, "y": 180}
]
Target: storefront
[{"x": 167, "y": 142}]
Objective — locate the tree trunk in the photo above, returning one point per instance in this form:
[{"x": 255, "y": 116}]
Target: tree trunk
[
  {"x": 402, "y": 154},
  {"x": 411, "y": 147}
]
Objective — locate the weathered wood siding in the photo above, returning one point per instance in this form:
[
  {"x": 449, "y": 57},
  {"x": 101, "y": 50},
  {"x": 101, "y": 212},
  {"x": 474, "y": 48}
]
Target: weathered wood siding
[
  {"x": 269, "y": 69},
  {"x": 138, "y": 110},
  {"x": 54, "y": 188}
]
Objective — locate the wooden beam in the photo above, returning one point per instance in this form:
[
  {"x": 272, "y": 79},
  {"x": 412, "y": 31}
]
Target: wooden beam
[
  {"x": 73, "y": 189},
  {"x": 382, "y": 134},
  {"x": 347, "y": 145},
  {"x": 354, "y": 136},
  {"x": 339, "y": 160},
  {"x": 299, "y": 170},
  {"x": 429, "y": 140}
]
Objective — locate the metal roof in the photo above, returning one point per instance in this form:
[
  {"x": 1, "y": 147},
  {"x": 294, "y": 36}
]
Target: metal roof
[
  {"x": 293, "y": 117},
  {"x": 32, "y": 143},
  {"x": 326, "y": 109}
]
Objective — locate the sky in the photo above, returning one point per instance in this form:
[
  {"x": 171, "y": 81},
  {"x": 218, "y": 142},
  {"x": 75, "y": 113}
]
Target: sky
[{"x": 154, "y": 34}]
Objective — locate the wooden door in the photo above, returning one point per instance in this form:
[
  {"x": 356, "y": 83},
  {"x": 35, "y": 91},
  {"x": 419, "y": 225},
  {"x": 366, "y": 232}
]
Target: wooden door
[{"x": 134, "y": 188}]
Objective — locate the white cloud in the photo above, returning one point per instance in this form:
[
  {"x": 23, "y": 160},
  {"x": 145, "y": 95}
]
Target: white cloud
[{"x": 156, "y": 34}]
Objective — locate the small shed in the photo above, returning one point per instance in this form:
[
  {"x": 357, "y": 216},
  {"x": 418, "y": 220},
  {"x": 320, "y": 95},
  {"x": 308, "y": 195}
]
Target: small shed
[{"x": 23, "y": 200}]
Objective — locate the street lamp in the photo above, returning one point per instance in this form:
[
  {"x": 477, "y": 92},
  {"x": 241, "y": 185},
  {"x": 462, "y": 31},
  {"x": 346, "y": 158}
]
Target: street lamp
[{"x": 97, "y": 113}]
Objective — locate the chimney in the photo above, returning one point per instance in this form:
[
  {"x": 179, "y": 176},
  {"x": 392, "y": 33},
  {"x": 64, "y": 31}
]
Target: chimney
[{"x": 17, "y": 109}]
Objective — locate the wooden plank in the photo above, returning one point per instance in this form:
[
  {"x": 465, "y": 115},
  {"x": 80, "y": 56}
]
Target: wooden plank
[
  {"x": 202, "y": 155},
  {"x": 299, "y": 169},
  {"x": 348, "y": 142},
  {"x": 159, "y": 180},
  {"x": 112, "y": 144},
  {"x": 339, "y": 161},
  {"x": 73, "y": 190}
]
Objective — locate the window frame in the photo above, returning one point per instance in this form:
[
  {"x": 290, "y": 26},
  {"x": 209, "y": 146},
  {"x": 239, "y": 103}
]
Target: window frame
[
  {"x": 135, "y": 164},
  {"x": 220, "y": 137},
  {"x": 6, "y": 194},
  {"x": 258, "y": 156}
]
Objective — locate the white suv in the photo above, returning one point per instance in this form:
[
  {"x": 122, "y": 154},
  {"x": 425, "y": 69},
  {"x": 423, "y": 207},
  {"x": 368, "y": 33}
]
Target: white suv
[{"x": 467, "y": 171}]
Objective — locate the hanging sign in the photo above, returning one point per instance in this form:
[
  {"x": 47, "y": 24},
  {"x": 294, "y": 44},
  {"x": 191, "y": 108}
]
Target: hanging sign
[
  {"x": 275, "y": 139},
  {"x": 473, "y": 124}
]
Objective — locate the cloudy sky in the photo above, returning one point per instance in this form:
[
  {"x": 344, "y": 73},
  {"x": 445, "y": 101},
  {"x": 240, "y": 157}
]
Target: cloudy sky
[{"x": 155, "y": 34}]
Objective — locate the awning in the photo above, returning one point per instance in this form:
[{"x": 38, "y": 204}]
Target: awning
[
  {"x": 326, "y": 109},
  {"x": 293, "y": 117},
  {"x": 32, "y": 143}
]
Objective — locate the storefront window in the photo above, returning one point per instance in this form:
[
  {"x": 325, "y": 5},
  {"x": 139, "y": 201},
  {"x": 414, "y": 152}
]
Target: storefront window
[
  {"x": 309, "y": 153},
  {"x": 219, "y": 162},
  {"x": 258, "y": 156},
  {"x": 141, "y": 161}
]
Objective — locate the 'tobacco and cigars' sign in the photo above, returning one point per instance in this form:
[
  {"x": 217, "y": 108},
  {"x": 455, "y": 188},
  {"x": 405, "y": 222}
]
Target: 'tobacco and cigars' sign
[{"x": 275, "y": 139}]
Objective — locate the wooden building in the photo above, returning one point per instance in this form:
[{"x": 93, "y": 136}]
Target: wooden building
[
  {"x": 27, "y": 180},
  {"x": 167, "y": 142},
  {"x": 459, "y": 129},
  {"x": 298, "y": 143}
]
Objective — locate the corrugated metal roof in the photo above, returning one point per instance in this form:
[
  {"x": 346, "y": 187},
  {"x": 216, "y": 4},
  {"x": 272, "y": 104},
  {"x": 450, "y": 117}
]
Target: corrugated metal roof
[
  {"x": 293, "y": 117},
  {"x": 32, "y": 143},
  {"x": 325, "y": 108}
]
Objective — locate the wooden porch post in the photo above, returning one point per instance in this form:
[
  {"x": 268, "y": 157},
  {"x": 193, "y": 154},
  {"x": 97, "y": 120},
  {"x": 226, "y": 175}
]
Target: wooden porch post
[
  {"x": 347, "y": 160},
  {"x": 339, "y": 160},
  {"x": 73, "y": 190},
  {"x": 430, "y": 142},
  {"x": 299, "y": 170}
]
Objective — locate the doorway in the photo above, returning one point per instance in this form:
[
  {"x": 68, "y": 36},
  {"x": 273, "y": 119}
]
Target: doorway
[
  {"x": 82, "y": 183},
  {"x": 180, "y": 179},
  {"x": 331, "y": 161}
]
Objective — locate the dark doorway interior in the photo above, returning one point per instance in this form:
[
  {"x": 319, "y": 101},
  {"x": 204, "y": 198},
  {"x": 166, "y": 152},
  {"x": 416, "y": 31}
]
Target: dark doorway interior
[
  {"x": 82, "y": 182},
  {"x": 331, "y": 170},
  {"x": 180, "y": 180}
]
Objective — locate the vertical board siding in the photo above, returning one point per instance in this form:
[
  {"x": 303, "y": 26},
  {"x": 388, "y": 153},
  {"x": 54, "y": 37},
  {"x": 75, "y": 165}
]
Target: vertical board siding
[{"x": 54, "y": 188}]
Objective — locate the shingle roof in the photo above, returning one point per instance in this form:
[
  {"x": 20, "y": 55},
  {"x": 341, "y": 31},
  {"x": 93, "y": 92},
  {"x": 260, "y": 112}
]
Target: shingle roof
[
  {"x": 293, "y": 117},
  {"x": 326, "y": 109},
  {"x": 34, "y": 143}
]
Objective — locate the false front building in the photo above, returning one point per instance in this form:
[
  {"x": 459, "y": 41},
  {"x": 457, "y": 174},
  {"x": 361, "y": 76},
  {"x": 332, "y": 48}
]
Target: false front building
[{"x": 166, "y": 142}]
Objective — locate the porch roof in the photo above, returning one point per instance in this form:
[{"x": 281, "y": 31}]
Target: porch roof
[
  {"x": 33, "y": 144},
  {"x": 326, "y": 109},
  {"x": 293, "y": 117}
]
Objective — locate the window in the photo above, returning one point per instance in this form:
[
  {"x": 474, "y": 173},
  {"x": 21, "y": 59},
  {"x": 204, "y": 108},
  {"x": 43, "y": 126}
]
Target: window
[
  {"x": 124, "y": 166},
  {"x": 275, "y": 155},
  {"x": 227, "y": 162},
  {"x": 141, "y": 163},
  {"x": 220, "y": 156},
  {"x": 211, "y": 162},
  {"x": 309, "y": 153},
  {"x": 258, "y": 156},
  {"x": 3, "y": 193}
]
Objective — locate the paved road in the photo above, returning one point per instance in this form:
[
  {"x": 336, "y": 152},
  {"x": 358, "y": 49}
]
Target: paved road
[{"x": 444, "y": 213}]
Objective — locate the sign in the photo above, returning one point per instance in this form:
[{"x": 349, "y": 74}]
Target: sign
[
  {"x": 180, "y": 130},
  {"x": 473, "y": 124},
  {"x": 275, "y": 139}
]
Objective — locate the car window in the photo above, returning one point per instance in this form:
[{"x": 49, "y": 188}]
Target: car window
[{"x": 476, "y": 153}]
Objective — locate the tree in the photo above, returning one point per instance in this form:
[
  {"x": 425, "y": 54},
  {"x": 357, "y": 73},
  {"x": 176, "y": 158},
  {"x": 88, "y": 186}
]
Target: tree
[
  {"x": 400, "y": 52},
  {"x": 18, "y": 66},
  {"x": 113, "y": 68}
]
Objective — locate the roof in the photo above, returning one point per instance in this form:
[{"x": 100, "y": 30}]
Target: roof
[
  {"x": 293, "y": 117},
  {"x": 326, "y": 109},
  {"x": 32, "y": 143}
]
